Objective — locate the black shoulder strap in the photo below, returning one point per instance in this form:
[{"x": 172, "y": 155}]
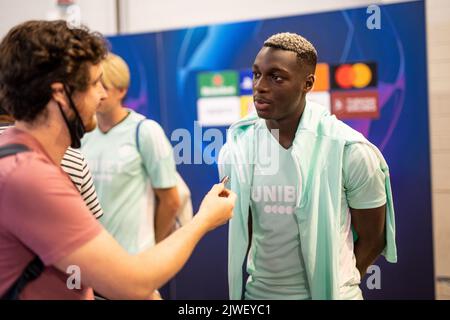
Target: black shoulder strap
[
  {"x": 30, "y": 273},
  {"x": 12, "y": 149},
  {"x": 138, "y": 145},
  {"x": 35, "y": 267}
]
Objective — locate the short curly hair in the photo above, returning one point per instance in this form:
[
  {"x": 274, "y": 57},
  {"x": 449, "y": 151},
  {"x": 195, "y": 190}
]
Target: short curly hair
[
  {"x": 35, "y": 54},
  {"x": 293, "y": 42}
]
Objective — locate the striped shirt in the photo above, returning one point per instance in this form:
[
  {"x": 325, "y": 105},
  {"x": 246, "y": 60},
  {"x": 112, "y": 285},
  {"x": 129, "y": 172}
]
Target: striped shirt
[{"x": 74, "y": 164}]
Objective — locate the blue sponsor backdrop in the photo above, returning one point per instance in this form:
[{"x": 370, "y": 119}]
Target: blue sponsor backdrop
[{"x": 164, "y": 67}]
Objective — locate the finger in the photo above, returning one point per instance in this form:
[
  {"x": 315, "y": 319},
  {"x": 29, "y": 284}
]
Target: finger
[
  {"x": 217, "y": 188},
  {"x": 224, "y": 193},
  {"x": 232, "y": 196}
]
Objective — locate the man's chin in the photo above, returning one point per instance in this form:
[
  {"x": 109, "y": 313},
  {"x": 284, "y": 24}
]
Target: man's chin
[
  {"x": 91, "y": 125},
  {"x": 264, "y": 114}
]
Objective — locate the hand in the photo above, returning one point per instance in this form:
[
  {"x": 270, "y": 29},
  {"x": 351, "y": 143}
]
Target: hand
[
  {"x": 156, "y": 296},
  {"x": 217, "y": 206}
]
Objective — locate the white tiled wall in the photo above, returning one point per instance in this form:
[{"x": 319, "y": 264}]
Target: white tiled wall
[
  {"x": 438, "y": 45},
  {"x": 99, "y": 15}
]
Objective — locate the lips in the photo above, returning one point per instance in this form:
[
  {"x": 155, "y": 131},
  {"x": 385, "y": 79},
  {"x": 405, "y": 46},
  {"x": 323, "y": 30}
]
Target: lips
[{"x": 261, "y": 103}]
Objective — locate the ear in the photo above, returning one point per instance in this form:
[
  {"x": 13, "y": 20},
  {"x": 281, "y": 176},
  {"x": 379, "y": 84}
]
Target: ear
[
  {"x": 309, "y": 82},
  {"x": 58, "y": 93},
  {"x": 122, "y": 93}
]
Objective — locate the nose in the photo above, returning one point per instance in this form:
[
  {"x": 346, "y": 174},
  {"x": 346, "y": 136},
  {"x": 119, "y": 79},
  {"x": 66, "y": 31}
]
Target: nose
[
  {"x": 260, "y": 84},
  {"x": 103, "y": 93}
]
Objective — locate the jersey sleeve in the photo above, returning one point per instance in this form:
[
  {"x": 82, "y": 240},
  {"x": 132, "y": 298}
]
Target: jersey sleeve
[
  {"x": 364, "y": 180},
  {"x": 157, "y": 155}
]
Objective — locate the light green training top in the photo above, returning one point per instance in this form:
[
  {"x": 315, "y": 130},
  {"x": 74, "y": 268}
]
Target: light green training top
[
  {"x": 124, "y": 177},
  {"x": 275, "y": 264}
]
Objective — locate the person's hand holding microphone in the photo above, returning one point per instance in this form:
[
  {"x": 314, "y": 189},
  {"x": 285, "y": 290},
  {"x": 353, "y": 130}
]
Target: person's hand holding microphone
[{"x": 217, "y": 206}]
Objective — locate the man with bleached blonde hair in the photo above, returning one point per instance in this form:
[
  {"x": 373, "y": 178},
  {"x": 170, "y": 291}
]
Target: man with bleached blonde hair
[{"x": 328, "y": 182}]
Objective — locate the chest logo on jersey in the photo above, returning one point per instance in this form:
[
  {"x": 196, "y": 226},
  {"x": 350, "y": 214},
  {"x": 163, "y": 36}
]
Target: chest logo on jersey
[{"x": 275, "y": 199}]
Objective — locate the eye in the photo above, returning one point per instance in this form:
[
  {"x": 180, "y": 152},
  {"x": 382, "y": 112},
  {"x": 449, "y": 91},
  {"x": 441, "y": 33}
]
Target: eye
[
  {"x": 96, "y": 82},
  {"x": 277, "y": 78},
  {"x": 103, "y": 85},
  {"x": 256, "y": 74},
  {"x": 99, "y": 85}
]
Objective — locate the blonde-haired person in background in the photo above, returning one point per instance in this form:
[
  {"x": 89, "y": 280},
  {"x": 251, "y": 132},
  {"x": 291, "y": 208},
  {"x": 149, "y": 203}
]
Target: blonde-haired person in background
[{"x": 135, "y": 184}]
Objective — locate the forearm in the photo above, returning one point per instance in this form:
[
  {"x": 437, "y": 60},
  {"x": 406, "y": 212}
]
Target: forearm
[
  {"x": 366, "y": 252},
  {"x": 164, "y": 220},
  {"x": 369, "y": 225},
  {"x": 116, "y": 274},
  {"x": 138, "y": 276}
]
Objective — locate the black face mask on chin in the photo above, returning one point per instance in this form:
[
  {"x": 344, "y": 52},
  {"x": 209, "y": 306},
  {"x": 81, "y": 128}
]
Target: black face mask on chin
[{"x": 75, "y": 126}]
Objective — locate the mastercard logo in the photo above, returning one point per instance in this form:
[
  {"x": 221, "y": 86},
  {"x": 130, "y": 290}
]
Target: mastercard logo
[{"x": 354, "y": 76}]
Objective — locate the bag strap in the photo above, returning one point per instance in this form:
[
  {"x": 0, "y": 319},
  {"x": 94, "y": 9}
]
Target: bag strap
[
  {"x": 138, "y": 146},
  {"x": 12, "y": 149},
  {"x": 35, "y": 267},
  {"x": 30, "y": 273}
]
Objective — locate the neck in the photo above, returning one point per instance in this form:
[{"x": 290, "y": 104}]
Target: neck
[
  {"x": 50, "y": 131},
  {"x": 287, "y": 126},
  {"x": 107, "y": 120}
]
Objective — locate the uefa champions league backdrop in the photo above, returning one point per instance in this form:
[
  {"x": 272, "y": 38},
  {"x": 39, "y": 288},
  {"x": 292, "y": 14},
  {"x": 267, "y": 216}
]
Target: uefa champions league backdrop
[{"x": 373, "y": 79}]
